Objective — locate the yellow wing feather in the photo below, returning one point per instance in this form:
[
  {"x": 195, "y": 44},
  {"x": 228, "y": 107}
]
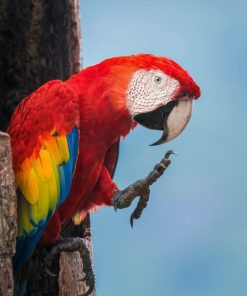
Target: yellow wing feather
[
  {"x": 45, "y": 159},
  {"x": 23, "y": 214},
  {"x": 38, "y": 180},
  {"x": 52, "y": 146},
  {"x": 33, "y": 188},
  {"x": 63, "y": 147}
]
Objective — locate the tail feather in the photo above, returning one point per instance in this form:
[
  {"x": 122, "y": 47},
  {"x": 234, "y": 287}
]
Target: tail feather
[{"x": 21, "y": 279}]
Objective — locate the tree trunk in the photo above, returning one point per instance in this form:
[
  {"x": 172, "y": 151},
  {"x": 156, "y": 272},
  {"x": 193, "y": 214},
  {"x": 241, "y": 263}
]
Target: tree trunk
[
  {"x": 7, "y": 216},
  {"x": 39, "y": 41}
]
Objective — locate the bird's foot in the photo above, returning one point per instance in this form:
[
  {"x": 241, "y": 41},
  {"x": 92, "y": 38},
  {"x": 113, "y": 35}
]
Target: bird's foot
[
  {"x": 71, "y": 245},
  {"x": 123, "y": 198}
]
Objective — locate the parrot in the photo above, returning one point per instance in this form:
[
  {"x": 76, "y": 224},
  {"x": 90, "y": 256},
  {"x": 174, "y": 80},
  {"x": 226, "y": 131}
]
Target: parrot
[{"x": 65, "y": 140}]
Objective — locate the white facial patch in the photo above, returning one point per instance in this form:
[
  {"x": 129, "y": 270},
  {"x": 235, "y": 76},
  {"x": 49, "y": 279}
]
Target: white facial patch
[{"x": 148, "y": 90}]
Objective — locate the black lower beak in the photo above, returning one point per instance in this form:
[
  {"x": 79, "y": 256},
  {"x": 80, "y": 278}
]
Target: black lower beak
[{"x": 157, "y": 120}]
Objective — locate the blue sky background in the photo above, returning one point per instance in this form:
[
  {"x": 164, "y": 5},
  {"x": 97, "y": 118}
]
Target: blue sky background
[{"x": 192, "y": 238}]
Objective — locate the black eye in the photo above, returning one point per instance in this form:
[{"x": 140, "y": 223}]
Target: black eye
[
  {"x": 184, "y": 94},
  {"x": 157, "y": 79}
]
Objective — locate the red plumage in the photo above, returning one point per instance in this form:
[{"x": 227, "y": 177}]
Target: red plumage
[
  {"x": 28, "y": 122},
  {"x": 100, "y": 92}
]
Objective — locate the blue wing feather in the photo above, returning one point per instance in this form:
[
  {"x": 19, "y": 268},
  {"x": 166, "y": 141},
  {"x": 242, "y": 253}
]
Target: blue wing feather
[{"x": 26, "y": 244}]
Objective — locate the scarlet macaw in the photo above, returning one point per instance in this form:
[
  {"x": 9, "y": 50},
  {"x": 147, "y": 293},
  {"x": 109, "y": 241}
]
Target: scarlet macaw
[{"x": 65, "y": 138}]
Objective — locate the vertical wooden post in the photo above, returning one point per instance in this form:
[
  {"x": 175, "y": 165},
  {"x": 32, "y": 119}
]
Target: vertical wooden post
[
  {"x": 39, "y": 41},
  {"x": 7, "y": 216}
]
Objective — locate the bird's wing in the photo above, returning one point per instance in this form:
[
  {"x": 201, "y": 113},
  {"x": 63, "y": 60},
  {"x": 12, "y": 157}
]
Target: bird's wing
[{"x": 44, "y": 134}]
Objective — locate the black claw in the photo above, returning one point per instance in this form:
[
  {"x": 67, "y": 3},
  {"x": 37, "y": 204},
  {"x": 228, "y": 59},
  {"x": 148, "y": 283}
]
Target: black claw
[
  {"x": 50, "y": 273},
  {"x": 90, "y": 282},
  {"x": 132, "y": 217},
  {"x": 170, "y": 152},
  {"x": 89, "y": 291}
]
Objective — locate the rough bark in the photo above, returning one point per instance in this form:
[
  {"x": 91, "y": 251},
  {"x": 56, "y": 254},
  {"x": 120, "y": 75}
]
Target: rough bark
[
  {"x": 39, "y": 41},
  {"x": 7, "y": 216},
  {"x": 71, "y": 262}
]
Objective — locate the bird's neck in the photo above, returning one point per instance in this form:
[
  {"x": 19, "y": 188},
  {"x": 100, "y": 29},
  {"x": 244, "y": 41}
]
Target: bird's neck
[{"x": 103, "y": 114}]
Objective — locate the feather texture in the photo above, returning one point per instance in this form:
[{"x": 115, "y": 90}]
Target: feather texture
[{"x": 44, "y": 158}]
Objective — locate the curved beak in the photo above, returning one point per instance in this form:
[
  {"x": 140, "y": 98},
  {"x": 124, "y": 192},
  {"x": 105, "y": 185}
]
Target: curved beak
[{"x": 171, "y": 118}]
